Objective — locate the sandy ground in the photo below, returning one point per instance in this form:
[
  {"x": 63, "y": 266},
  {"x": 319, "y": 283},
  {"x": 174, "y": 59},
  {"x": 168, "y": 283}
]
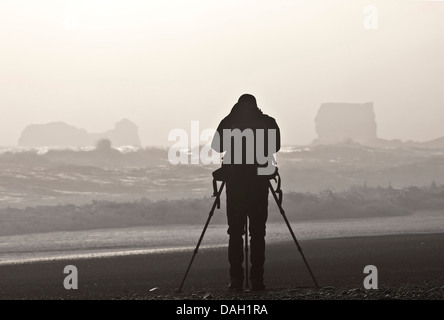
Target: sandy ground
[{"x": 409, "y": 267}]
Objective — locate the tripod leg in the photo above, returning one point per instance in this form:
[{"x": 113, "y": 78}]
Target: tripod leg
[
  {"x": 292, "y": 234},
  {"x": 246, "y": 251},
  {"x": 203, "y": 233}
]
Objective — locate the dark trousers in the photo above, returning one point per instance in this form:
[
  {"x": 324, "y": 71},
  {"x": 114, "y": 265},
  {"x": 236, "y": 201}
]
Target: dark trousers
[{"x": 247, "y": 198}]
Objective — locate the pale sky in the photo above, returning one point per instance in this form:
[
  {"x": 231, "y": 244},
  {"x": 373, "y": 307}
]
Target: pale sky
[{"x": 165, "y": 63}]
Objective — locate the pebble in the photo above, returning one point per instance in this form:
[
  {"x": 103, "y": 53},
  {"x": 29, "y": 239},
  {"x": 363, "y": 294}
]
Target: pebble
[{"x": 405, "y": 291}]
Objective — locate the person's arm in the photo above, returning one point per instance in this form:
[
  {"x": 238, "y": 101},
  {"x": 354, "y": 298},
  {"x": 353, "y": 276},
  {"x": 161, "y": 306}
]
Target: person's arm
[
  {"x": 217, "y": 143},
  {"x": 271, "y": 124}
]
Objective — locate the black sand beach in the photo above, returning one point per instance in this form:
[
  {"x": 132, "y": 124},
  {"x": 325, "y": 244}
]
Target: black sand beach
[{"x": 409, "y": 267}]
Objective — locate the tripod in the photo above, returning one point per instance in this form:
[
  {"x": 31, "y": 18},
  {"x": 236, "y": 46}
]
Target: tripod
[
  {"x": 215, "y": 204},
  {"x": 279, "y": 203},
  {"x": 277, "y": 195}
]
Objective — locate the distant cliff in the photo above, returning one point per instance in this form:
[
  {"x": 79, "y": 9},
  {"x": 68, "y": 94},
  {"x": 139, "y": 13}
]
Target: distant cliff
[
  {"x": 337, "y": 123},
  {"x": 60, "y": 134},
  {"x": 340, "y": 122}
]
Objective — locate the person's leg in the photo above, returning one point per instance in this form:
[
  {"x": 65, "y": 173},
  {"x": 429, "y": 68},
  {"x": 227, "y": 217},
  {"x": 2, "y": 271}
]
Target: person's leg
[
  {"x": 235, "y": 257},
  {"x": 257, "y": 258},
  {"x": 258, "y": 218},
  {"x": 236, "y": 219}
]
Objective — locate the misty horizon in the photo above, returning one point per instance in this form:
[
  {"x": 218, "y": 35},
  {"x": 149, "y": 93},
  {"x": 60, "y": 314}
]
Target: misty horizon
[{"x": 334, "y": 123}]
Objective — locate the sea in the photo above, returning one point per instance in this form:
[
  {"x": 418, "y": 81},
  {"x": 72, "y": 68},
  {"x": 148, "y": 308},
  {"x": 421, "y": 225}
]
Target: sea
[{"x": 103, "y": 243}]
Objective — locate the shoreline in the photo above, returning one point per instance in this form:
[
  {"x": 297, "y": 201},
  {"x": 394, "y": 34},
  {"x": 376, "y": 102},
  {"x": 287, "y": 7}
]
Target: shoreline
[
  {"x": 107, "y": 253},
  {"x": 413, "y": 263},
  {"x": 101, "y": 243}
]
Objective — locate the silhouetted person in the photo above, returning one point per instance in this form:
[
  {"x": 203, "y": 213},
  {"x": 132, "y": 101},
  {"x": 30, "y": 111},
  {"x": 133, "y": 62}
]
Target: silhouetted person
[{"x": 247, "y": 191}]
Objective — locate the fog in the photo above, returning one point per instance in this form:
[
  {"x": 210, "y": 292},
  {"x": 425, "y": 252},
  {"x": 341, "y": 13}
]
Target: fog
[{"x": 165, "y": 63}]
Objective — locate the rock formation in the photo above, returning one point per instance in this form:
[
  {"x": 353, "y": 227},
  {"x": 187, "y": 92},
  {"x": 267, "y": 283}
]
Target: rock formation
[
  {"x": 340, "y": 122},
  {"x": 60, "y": 134}
]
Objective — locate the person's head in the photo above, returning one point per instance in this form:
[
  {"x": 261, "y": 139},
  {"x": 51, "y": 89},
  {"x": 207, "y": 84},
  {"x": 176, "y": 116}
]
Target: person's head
[
  {"x": 248, "y": 101},
  {"x": 246, "y": 108}
]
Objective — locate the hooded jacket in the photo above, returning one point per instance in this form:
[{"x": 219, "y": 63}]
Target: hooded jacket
[{"x": 246, "y": 115}]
